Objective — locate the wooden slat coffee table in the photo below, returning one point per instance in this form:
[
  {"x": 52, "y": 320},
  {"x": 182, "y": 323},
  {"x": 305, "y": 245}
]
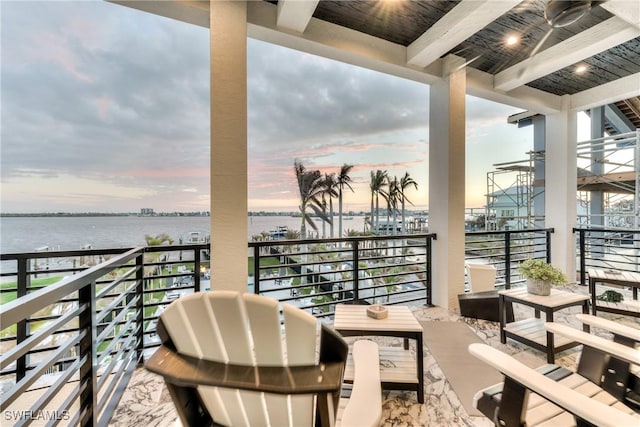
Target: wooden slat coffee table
[
  {"x": 398, "y": 369},
  {"x": 532, "y": 331}
]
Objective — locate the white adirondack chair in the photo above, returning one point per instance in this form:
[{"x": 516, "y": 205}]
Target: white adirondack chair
[
  {"x": 227, "y": 359},
  {"x": 594, "y": 395}
]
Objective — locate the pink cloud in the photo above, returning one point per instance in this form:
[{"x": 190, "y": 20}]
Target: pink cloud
[{"x": 53, "y": 48}]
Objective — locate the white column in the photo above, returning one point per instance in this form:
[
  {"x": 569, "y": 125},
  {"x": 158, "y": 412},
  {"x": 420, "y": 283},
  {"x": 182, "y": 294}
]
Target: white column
[
  {"x": 229, "y": 225},
  {"x": 561, "y": 175},
  {"x": 596, "y": 204},
  {"x": 446, "y": 182}
]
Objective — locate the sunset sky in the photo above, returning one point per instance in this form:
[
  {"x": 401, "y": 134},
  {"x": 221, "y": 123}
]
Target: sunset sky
[{"x": 105, "y": 108}]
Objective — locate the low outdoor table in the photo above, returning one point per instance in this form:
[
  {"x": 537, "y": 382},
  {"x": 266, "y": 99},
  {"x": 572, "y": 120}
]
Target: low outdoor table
[
  {"x": 398, "y": 370},
  {"x": 532, "y": 332}
]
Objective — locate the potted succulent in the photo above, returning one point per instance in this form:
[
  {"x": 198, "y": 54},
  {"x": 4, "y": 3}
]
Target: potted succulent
[{"x": 540, "y": 276}]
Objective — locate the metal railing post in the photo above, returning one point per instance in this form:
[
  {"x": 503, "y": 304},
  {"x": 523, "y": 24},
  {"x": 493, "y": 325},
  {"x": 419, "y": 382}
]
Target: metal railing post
[
  {"x": 140, "y": 307},
  {"x": 429, "y": 277},
  {"x": 356, "y": 270},
  {"x": 196, "y": 270},
  {"x": 548, "y": 234},
  {"x": 22, "y": 327},
  {"x": 88, "y": 374},
  {"x": 507, "y": 259},
  {"x": 583, "y": 261},
  {"x": 256, "y": 270}
]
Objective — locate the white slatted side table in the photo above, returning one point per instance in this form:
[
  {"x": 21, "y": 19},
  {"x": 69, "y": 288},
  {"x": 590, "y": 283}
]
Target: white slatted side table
[{"x": 396, "y": 373}]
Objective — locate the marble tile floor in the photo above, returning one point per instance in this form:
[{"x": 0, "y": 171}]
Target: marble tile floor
[{"x": 147, "y": 402}]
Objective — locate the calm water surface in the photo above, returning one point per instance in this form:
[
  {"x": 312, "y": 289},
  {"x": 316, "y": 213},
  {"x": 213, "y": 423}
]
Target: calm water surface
[{"x": 68, "y": 233}]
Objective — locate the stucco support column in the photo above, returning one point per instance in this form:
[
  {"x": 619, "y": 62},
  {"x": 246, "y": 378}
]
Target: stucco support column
[
  {"x": 596, "y": 207},
  {"x": 229, "y": 225},
  {"x": 561, "y": 186},
  {"x": 446, "y": 182}
]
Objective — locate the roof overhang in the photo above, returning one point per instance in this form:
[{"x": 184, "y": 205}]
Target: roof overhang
[{"x": 297, "y": 24}]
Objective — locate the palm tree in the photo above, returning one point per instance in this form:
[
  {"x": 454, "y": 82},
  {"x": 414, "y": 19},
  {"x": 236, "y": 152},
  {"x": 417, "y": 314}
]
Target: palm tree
[
  {"x": 378, "y": 181},
  {"x": 405, "y": 183},
  {"x": 392, "y": 196},
  {"x": 330, "y": 185},
  {"x": 343, "y": 180},
  {"x": 310, "y": 186}
]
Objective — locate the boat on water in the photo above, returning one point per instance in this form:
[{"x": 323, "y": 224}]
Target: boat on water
[
  {"x": 388, "y": 227},
  {"x": 280, "y": 232},
  {"x": 196, "y": 237}
]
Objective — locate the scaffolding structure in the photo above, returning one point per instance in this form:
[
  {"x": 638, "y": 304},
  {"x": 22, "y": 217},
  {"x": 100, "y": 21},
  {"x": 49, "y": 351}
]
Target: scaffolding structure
[
  {"x": 608, "y": 176},
  {"x": 610, "y": 166}
]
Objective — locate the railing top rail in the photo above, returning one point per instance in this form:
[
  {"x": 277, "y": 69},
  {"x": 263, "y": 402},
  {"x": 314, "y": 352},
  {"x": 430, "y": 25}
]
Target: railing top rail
[
  {"x": 21, "y": 308},
  {"x": 524, "y": 230},
  {"x": 343, "y": 239},
  {"x": 56, "y": 254},
  {"x": 89, "y": 252}
]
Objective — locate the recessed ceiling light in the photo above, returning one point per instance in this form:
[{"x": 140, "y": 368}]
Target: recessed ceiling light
[
  {"x": 581, "y": 69},
  {"x": 512, "y": 40}
]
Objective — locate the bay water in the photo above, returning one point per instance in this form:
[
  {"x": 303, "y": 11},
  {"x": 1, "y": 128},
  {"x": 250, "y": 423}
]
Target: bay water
[{"x": 28, "y": 234}]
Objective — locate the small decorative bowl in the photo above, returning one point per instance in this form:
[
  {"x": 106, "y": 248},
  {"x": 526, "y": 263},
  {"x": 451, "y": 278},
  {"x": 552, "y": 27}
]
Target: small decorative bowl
[{"x": 377, "y": 312}]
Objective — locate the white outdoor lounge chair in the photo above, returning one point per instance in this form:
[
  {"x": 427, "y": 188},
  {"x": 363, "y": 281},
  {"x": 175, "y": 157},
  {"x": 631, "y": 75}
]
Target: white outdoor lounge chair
[
  {"x": 555, "y": 396},
  {"x": 481, "y": 302},
  {"x": 227, "y": 360},
  {"x": 482, "y": 277}
]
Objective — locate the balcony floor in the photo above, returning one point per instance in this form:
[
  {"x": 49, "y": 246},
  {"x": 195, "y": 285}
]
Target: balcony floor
[{"x": 147, "y": 402}]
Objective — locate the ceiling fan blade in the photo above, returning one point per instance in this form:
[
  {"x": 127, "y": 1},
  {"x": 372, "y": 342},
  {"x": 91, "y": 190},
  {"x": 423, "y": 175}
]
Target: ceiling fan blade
[{"x": 541, "y": 42}]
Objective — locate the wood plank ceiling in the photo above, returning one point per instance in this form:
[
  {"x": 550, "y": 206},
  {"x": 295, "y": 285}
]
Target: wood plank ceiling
[{"x": 486, "y": 49}]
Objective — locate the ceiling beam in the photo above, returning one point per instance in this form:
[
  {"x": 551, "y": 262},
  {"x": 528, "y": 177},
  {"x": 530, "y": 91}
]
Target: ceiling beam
[
  {"x": 592, "y": 41},
  {"x": 480, "y": 84},
  {"x": 608, "y": 93},
  {"x": 629, "y": 10},
  {"x": 294, "y": 15},
  {"x": 464, "y": 20},
  {"x": 336, "y": 42}
]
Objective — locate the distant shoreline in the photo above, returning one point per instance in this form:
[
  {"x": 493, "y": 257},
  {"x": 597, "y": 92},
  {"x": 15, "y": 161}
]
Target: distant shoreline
[
  {"x": 137, "y": 214},
  {"x": 96, "y": 214}
]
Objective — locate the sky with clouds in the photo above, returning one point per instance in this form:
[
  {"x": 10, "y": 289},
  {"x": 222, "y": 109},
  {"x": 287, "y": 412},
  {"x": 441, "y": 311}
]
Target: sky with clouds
[{"x": 106, "y": 108}]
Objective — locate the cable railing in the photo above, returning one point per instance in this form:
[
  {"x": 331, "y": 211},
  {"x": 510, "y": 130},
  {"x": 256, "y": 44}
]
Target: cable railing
[
  {"x": 318, "y": 274},
  {"x": 608, "y": 248},
  {"x": 75, "y": 325},
  {"x": 506, "y": 249}
]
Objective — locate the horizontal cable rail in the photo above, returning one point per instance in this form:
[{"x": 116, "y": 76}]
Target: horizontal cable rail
[
  {"x": 609, "y": 248},
  {"x": 75, "y": 325},
  {"x": 317, "y": 274},
  {"x": 505, "y": 250}
]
